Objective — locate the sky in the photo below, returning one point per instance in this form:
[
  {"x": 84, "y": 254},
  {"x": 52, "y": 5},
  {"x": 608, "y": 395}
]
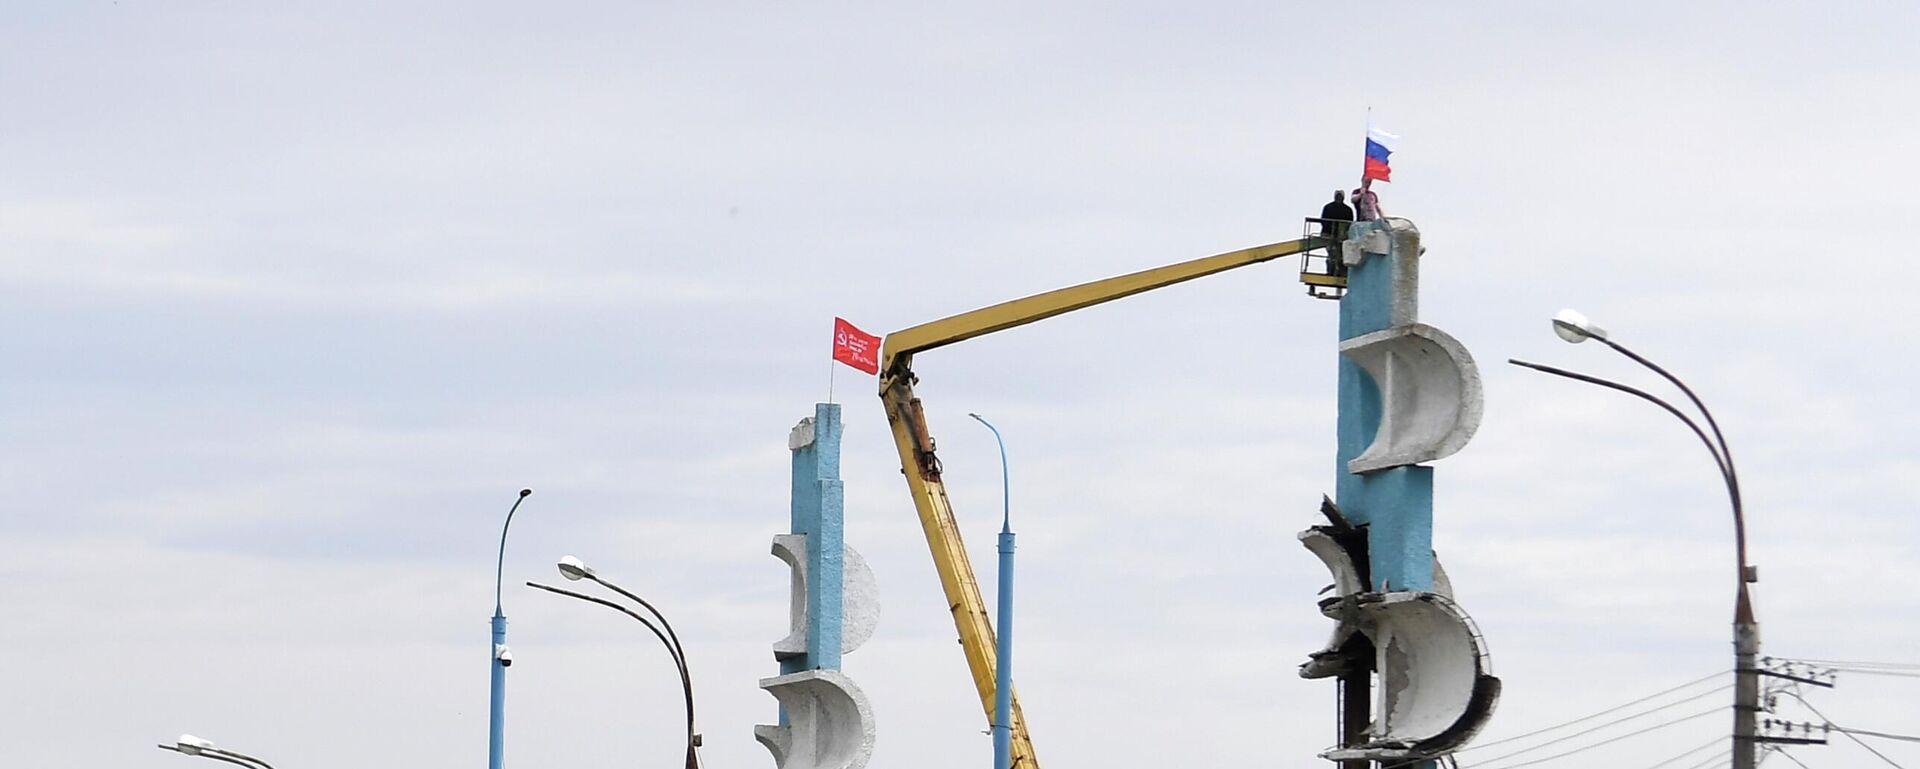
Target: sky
[{"x": 295, "y": 299}]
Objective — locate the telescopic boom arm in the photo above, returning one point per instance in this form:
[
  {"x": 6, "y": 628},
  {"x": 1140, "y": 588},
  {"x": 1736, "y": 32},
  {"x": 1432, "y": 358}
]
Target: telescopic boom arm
[{"x": 922, "y": 467}]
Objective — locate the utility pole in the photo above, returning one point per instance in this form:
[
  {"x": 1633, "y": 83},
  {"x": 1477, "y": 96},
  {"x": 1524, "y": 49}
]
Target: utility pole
[
  {"x": 1574, "y": 328},
  {"x": 1746, "y": 682}
]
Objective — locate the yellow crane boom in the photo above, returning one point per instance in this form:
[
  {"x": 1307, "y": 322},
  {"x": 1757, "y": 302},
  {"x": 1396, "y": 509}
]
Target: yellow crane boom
[{"x": 922, "y": 467}]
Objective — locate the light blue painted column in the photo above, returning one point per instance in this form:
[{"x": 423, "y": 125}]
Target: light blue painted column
[
  {"x": 825, "y": 720},
  {"x": 818, "y": 511},
  {"x": 1396, "y": 503}
]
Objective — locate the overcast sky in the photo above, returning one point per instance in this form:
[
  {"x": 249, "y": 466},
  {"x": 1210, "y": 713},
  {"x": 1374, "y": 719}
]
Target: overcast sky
[{"x": 293, "y": 300}]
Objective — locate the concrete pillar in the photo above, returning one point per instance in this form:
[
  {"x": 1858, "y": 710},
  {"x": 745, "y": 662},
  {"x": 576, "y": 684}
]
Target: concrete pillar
[{"x": 826, "y": 722}]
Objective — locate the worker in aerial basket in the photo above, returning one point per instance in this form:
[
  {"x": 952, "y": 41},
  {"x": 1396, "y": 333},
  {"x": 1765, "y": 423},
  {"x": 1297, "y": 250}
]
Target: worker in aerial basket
[{"x": 1334, "y": 217}]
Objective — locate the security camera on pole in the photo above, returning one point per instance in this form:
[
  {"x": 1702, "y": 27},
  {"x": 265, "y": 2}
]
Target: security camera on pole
[{"x": 502, "y": 656}]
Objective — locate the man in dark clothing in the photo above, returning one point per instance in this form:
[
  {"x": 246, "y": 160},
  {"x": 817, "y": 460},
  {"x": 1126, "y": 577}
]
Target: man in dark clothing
[{"x": 1335, "y": 216}]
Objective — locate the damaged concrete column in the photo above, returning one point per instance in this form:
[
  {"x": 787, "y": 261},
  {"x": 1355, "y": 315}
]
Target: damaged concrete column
[
  {"x": 826, "y": 722},
  {"x": 1408, "y": 394}
]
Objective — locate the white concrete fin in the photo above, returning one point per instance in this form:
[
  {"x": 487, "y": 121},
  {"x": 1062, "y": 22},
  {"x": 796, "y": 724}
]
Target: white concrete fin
[
  {"x": 1327, "y": 662},
  {"x": 829, "y": 722},
  {"x": 859, "y": 602},
  {"x": 1430, "y": 395},
  {"x": 1346, "y": 576},
  {"x": 1428, "y": 660},
  {"x": 792, "y": 548},
  {"x": 859, "y": 598},
  {"x": 1436, "y": 687},
  {"x": 1442, "y": 584}
]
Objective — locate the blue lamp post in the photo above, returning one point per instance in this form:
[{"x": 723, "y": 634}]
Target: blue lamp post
[
  {"x": 497, "y": 718},
  {"x": 1003, "y": 652}
]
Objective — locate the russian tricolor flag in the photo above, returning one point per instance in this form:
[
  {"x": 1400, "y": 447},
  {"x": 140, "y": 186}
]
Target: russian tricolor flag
[{"x": 1379, "y": 147}]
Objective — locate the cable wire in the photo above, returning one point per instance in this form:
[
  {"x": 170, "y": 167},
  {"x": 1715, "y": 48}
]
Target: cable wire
[
  {"x": 1715, "y": 760},
  {"x": 1880, "y": 672},
  {"x": 1709, "y": 744},
  {"x": 1853, "y": 663},
  {"x": 1608, "y": 741},
  {"x": 1613, "y": 709},
  {"x": 1783, "y": 751},
  {"x": 1900, "y": 737},
  {"x": 1857, "y": 740},
  {"x": 1614, "y": 722}
]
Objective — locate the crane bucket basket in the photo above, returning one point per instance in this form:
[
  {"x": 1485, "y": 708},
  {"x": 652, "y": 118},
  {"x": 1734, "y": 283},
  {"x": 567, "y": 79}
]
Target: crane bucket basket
[{"x": 1320, "y": 266}]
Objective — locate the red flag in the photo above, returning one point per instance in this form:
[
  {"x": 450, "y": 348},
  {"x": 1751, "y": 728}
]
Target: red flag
[{"x": 855, "y": 348}]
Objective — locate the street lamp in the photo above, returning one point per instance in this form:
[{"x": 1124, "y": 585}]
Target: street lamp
[
  {"x": 1003, "y": 654},
  {"x": 190, "y": 745},
  {"x": 574, "y": 570},
  {"x": 501, "y": 656},
  {"x": 1576, "y": 328}
]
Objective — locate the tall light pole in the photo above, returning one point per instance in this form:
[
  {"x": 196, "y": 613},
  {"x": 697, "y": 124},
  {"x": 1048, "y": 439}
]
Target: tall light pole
[
  {"x": 501, "y": 656},
  {"x": 573, "y": 569},
  {"x": 189, "y": 745},
  {"x": 1003, "y": 653},
  {"x": 1575, "y": 328}
]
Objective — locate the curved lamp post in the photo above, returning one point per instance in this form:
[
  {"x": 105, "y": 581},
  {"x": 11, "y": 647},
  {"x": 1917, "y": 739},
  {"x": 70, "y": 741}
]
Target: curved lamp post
[
  {"x": 1575, "y": 328},
  {"x": 190, "y": 745},
  {"x": 501, "y": 656},
  {"x": 1003, "y": 653},
  {"x": 573, "y": 569}
]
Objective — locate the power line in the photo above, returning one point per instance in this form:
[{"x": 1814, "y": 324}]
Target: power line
[
  {"x": 1783, "y": 751},
  {"x": 1853, "y": 663},
  {"x": 1592, "y": 729},
  {"x": 1715, "y": 760},
  {"x": 1610, "y": 740},
  {"x": 1709, "y": 744},
  {"x": 1900, "y": 737},
  {"x": 1615, "y": 708},
  {"x": 1857, "y": 740},
  {"x": 1880, "y": 672}
]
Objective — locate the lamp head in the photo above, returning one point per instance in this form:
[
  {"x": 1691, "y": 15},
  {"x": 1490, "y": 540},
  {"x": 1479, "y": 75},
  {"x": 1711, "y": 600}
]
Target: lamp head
[
  {"x": 1575, "y": 328},
  {"x": 574, "y": 569},
  {"x": 192, "y": 745}
]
